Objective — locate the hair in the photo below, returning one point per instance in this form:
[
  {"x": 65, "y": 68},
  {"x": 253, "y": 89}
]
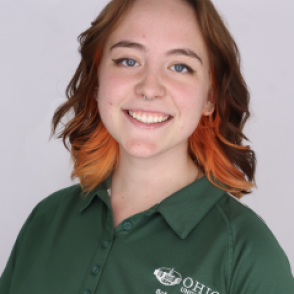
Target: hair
[{"x": 215, "y": 145}]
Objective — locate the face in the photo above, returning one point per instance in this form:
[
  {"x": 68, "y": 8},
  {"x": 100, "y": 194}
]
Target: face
[{"x": 157, "y": 51}]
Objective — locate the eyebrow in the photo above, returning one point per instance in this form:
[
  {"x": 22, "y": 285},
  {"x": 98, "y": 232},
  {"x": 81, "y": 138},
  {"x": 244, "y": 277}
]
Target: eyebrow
[
  {"x": 184, "y": 51},
  {"x": 128, "y": 44},
  {"x": 178, "y": 51}
]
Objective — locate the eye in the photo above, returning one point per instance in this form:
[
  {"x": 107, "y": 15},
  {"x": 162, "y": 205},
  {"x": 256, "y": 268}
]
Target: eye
[
  {"x": 126, "y": 61},
  {"x": 182, "y": 68}
]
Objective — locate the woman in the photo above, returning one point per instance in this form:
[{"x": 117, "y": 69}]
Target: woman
[{"x": 159, "y": 106}]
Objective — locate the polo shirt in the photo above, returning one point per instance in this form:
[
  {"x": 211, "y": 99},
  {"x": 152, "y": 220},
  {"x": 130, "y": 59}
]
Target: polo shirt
[{"x": 199, "y": 240}]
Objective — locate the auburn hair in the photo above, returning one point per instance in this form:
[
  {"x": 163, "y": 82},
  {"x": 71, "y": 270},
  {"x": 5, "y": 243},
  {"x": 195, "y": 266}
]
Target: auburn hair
[{"x": 215, "y": 145}]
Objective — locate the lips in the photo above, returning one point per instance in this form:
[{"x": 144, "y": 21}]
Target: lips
[
  {"x": 149, "y": 124},
  {"x": 148, "y": 117}
]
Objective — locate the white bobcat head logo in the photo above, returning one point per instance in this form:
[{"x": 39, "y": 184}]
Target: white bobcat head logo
[{"x": 167, "y": 276}]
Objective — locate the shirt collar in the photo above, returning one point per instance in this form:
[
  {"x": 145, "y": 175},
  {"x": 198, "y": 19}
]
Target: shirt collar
[
  {"x": 100, "y": 190},
  {"x": 182, "y": 210}
]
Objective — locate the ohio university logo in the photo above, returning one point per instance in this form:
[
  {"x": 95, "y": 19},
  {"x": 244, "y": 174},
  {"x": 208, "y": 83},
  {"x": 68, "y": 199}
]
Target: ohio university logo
[{"x": 169, "y": 277}]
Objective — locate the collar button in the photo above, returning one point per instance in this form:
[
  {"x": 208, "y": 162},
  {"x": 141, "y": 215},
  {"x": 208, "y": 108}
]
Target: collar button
[
  {"x": 105, "y": 244},
  {"x": 127, "y": 225},
  {"x": 95, "y": 270}
]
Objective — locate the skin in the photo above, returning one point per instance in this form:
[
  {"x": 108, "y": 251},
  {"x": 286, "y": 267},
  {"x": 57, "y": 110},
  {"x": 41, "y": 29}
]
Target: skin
[{"x": 153, "y": 162}]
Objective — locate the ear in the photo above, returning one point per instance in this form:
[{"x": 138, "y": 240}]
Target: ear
[{"x": 209, "y": 104}]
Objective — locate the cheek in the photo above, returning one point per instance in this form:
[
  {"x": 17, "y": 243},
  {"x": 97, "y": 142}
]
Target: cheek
[
  {"x": 189, "y": 98},
  {"x": 111, "y": 84},
  {"x": 114, "y": 88},
  {"x": 108, "y": 85},
  {"x": 106, "y": 97},
  {"x": 190, "y": 101},
  {"x": 105, "y": 112}
]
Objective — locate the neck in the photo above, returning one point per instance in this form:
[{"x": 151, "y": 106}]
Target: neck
[{"x": 149, "y": 181}]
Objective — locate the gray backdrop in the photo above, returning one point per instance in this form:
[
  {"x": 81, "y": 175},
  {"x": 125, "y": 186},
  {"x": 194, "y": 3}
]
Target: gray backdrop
[{"x": 39, "y": 56}]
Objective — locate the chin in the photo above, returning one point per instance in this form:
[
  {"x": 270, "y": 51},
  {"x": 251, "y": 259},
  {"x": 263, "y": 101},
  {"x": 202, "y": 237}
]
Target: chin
[{"x": 140, "y": 149}]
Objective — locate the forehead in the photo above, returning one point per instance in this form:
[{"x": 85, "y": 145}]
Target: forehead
[{"x": 161, "y": 24}]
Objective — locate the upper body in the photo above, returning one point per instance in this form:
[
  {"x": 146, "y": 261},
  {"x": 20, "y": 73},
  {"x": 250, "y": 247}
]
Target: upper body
[
  {"x": 159, "y": 103},
  {"x": 199, "y": 239}
]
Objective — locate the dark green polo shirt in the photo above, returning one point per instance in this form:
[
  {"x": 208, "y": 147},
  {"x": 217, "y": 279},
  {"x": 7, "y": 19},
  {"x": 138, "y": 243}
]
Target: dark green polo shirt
[{"x": 198, "y": 240}]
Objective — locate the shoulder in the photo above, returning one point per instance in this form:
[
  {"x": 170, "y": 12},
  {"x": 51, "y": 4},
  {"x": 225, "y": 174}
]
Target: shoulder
[
  {"x": 243, "y": 223},
  {"x": 58, "y": 200},
  {"x": 254, "y": 251},
  {"x": 42, "y": 218}
]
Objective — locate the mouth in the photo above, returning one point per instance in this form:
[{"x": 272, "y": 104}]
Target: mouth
[{"x": 148, "y": 118}]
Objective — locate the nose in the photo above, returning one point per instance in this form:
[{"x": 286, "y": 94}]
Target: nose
[{"x": 150, "y": 85}]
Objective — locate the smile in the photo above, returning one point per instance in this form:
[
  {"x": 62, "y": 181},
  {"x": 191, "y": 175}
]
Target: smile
[{"x": 148, "y": 118}]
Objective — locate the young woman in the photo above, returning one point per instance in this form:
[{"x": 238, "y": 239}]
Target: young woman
[{"x": 159, "y": 105}]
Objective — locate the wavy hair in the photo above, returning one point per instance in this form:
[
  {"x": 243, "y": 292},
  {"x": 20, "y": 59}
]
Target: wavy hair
[{"x": 216, "y": 143}]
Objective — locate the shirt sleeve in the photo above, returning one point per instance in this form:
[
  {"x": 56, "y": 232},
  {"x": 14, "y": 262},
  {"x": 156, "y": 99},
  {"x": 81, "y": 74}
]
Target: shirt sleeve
[
  {"x": 259, "y": 265},
  {"x": 7, "y": 275}
]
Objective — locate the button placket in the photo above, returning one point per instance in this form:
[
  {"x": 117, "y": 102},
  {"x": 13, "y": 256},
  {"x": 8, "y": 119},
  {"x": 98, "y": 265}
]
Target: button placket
[{"x": 99, "y": 259}]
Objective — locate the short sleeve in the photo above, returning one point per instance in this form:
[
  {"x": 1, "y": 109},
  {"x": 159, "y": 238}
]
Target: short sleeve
[
  {"x": 7, "y": 275},
  {"x": 259, "y": 264}
]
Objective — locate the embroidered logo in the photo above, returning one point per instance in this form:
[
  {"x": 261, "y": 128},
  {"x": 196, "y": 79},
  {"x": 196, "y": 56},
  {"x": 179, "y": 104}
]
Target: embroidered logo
[{"x": 167, "y": 276}]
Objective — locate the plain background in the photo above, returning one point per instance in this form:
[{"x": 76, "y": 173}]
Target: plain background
[{"x": 39, "y": 56}]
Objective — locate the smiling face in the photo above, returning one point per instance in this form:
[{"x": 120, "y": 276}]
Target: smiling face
[{"x": 156, "y": 51}]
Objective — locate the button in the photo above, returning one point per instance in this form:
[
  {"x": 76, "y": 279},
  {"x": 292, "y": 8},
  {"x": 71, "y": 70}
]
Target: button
[
  {"x": 95, "y": 270},
  {"x": 105, "y": 243},
  {"x": 87, "y": 292},
  {"x": 127, "y": 225}
]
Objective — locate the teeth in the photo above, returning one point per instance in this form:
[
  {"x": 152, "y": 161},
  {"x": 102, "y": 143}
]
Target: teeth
[{"x": 148, "y": 119}]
